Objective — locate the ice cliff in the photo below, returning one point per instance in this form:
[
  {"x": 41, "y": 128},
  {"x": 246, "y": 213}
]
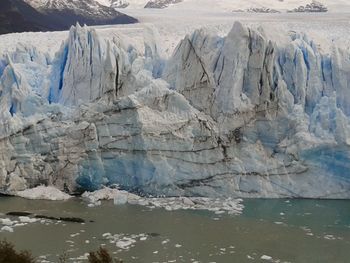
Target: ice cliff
[{"x": 225, "y": 116}]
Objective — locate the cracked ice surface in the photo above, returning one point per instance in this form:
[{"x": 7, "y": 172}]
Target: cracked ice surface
[{"x": 225, "y": 116}]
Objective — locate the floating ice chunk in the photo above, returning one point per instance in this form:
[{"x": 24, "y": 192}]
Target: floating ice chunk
[
  {"x": 125, "y": 243},
  {"x": 97, "y": 203},
  {"x": 6, "y": 221},
  {"x": 44, "y": 193},
  {"x": 265, "y": 257},
  {"x": 26, "y": 219},
  {"x": 75, "y": 235},
  {"x": 120, "y": 198},
  {"x": 102, "y": 194},
  {"x": 329, "y": 237},
  {"x": 219, "y": 212},
  {"x": 83, "y": 257},
  {"x": 165, "y": 241},
  {"x": 20, "y": 224},
  {"x": 106, "y": 235},
  {"x": 6, "y": 229}
]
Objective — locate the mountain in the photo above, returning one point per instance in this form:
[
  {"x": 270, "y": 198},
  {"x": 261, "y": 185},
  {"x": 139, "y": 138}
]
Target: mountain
[
  {"x": 38, "y": 15},
  {"x": 158, "y": 4},
  {"x": 88, "y": 12},
  {"x": 233, "y": 115},
  {"x": 119, "y": 3},
  {"x": 114, "y": 3},
  {"x": 161, "y": 3},
  {"x": 18, "y": 16},
  {"x": 313, "y": 7}
]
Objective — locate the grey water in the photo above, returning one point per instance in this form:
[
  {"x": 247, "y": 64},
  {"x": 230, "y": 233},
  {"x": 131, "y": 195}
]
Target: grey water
[{"x": 310, "y": 231}]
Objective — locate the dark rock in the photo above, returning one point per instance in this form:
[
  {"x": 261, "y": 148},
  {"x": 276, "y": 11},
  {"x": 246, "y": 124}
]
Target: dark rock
[
  {"x": 72, "y": 219},
  {"x": 18, "y": 214},
  {"x": 65, "y": 219}
]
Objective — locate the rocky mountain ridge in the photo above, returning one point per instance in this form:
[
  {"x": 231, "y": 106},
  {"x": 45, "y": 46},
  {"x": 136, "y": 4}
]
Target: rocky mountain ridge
[{"x": 39, "y": 15}]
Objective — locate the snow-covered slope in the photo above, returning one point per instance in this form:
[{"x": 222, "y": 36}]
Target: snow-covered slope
[
  {"x": 160, "y": 4},
  {"x": 114, "y": 3},
  {"x": 90, "y": 8},
  {"x": 124, "y": 3},
  {"x": 72, "y": 11},
  {"x": 232, "y": 115}
]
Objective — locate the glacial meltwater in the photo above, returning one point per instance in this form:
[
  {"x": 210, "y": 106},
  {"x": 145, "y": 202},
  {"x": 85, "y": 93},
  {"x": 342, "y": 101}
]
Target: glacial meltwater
[{"x": 266, "y": 231}]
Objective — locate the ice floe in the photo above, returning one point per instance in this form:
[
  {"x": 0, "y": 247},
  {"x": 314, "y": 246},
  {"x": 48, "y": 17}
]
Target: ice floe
[
  {"x": 121, "y": 197},
  {"x": 44, "y": 193},
  {"x": 124, "y": 241}
]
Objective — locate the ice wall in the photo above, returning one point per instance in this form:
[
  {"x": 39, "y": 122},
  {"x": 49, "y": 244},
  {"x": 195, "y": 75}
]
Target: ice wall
[{"x": 226, "y": 116}]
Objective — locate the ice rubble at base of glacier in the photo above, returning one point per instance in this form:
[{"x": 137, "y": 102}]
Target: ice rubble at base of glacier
[
  {"x": 234, "y": 116},
  {"x": 121, "y": 197}
]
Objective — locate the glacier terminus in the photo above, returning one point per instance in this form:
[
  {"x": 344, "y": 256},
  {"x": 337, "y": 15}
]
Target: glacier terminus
[{"x": 225, "y": 116}]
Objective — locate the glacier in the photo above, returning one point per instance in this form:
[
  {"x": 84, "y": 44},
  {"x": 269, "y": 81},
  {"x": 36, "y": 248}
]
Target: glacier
[{"x": 225, "y": 116}]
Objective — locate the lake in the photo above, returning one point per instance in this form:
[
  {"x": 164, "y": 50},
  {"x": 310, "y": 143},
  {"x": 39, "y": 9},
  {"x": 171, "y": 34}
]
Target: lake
[{"x": 266, "y": 231}]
